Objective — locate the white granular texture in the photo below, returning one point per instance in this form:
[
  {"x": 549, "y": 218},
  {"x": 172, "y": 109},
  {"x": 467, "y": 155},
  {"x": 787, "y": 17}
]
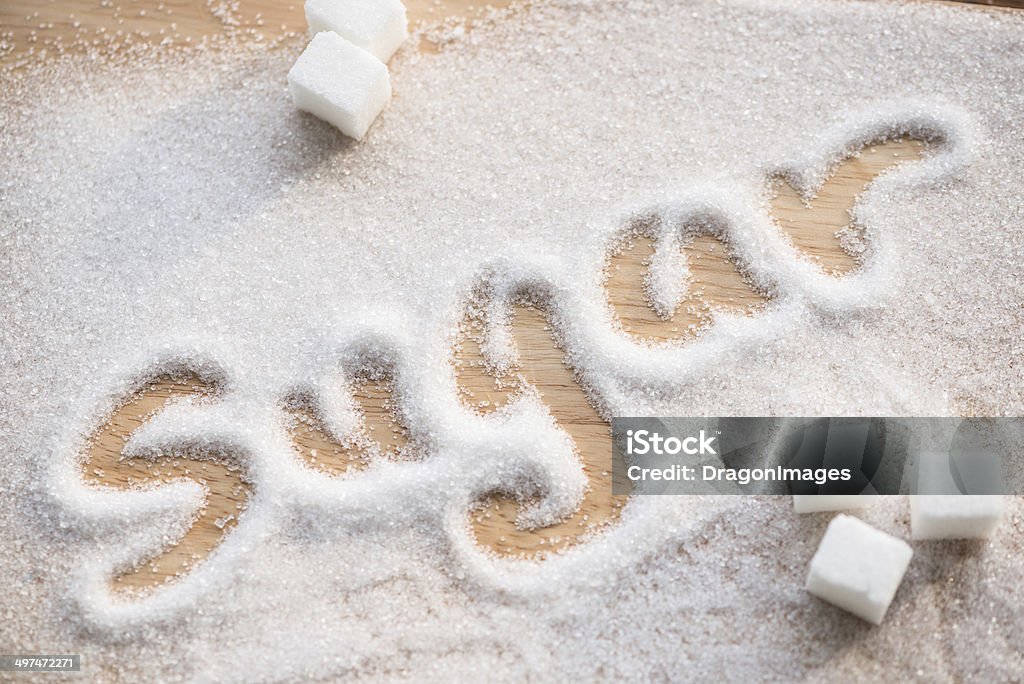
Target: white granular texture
[{"x": 178, "y": 210}]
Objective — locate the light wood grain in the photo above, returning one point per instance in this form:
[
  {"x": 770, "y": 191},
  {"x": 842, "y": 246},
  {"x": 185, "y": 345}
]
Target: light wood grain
[
  {"x": 226, "y": 490},
  {"x": 540, "y": 366},
  {"x": 834, "y": 202},
  {"x": 30, "y": 28},
  {"x": 715, "y": 284}
]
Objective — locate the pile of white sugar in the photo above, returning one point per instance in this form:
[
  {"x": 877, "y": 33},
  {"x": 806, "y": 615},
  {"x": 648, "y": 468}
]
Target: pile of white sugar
[{"x": 179, "y": 208}]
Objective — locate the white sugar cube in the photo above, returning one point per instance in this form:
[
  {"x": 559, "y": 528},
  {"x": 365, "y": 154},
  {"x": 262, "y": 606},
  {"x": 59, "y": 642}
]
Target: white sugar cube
[
  {"x": 975, "y": 472},
  {"x": 944, "y": 513},
  {"x": 378, "y": 26},
  {"x": 858, "y": 568},
  {"x": 955, "y": 516},
  {"x": 816, "y": 503},
  {"x": 340, "y": 83},
  {"x": 843, "y": 442}
]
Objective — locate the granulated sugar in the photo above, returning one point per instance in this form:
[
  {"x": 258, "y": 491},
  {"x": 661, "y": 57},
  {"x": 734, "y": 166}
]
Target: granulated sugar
[{"x": 178, "y": 210}]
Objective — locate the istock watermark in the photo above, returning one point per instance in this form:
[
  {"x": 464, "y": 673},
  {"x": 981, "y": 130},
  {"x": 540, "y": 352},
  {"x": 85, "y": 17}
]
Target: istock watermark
[
  {"x": 819, "y": 455},
  {"x": 643, "y": 442}
]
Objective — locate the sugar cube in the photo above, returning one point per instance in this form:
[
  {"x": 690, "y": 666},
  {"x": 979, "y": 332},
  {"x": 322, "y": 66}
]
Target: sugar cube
[
  {"x": 340, "y": 83},
  {"x": 944, "y": 512},
  {"x": 858, "y": 568},
  {"x": 845, "y": 443},
  {"x": 816, "y": 503},
  {"x": 974, "y": 472},
  {"x": 955, "y": 516},
  {"x": 378, "y": 26}
]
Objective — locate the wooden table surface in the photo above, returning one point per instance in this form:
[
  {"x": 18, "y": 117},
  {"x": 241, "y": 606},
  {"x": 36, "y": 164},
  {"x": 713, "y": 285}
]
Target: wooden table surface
[
  {"x": 31, "y": 27},
  {"x": 28, "y": 27}
]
